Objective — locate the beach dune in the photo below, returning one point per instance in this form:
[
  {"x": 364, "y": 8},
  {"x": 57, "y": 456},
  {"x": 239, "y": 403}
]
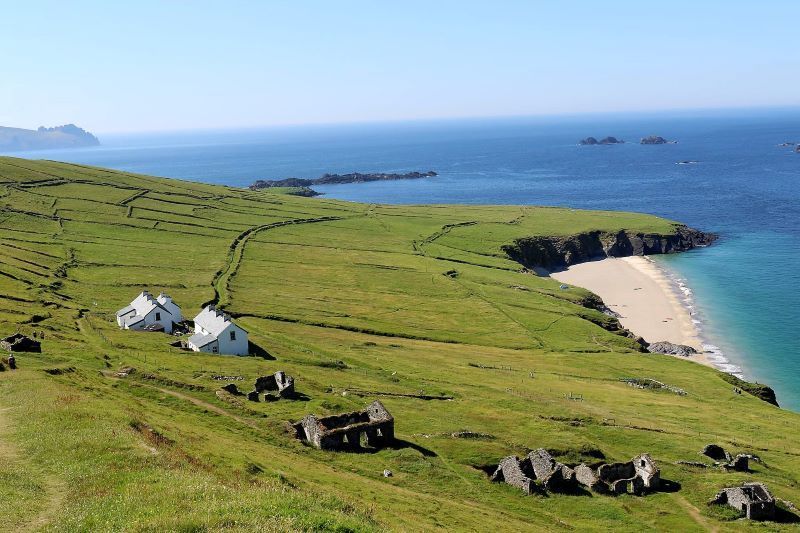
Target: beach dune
[{"x": 642, "y": 295}]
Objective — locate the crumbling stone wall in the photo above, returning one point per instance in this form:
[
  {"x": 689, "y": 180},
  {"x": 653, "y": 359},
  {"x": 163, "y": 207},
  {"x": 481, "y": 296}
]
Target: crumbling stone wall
[
  {"x": 511, "y": 471},
  {"x": 754, "y": 500},
  {"x": 345, "y": 430}
]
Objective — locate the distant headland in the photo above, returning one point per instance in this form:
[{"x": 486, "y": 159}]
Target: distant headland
[
  {"x": 335, "y": 179},
  {"x": 66, "y": 136}
]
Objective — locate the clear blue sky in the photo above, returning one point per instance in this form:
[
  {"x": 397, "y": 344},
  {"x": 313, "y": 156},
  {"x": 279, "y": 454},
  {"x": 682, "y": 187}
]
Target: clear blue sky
[{"x": 145, "y": 66}]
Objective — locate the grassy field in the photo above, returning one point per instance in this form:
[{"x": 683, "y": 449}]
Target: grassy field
[{"x": 353, "y": 300}]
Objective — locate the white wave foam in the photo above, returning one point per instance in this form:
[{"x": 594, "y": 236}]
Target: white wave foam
[{"x": 685, "y": 294}]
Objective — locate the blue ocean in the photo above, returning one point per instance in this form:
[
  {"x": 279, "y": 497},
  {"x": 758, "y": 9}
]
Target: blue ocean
[{"x": 745, "y": 289}]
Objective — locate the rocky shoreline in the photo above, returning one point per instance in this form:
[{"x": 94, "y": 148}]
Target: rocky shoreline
[
  {"x": 335, "y": 179},
  {"x": 554, "y": 253}
]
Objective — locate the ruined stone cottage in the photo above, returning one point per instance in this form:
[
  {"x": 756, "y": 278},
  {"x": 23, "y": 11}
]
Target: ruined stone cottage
[
  {"x": 539, "y": 471},
  {"x": 754, "y": 500},
  {"x": 637, "y": 476},
  {"x": 344, "y": 431},
  {"x": 20, "y": 343}
]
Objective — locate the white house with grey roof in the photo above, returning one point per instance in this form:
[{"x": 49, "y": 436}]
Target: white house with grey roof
[
  {"x": 150, "y": 313},
  {"x": 214, "y": 332}
]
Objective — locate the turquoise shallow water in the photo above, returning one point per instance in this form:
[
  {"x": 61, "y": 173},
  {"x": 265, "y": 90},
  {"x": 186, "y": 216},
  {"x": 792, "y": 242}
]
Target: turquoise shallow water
[{"x": 745, "y": 289}]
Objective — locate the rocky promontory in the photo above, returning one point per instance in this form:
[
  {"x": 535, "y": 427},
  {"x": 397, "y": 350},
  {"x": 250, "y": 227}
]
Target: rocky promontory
[
  {"x": 66, "y": 136},
  {"x": 591, "y": 141},
  {"x": 559, "y": 252},
  {"x": 655, "y": 139},
  {"x": 334, "y": 179}
]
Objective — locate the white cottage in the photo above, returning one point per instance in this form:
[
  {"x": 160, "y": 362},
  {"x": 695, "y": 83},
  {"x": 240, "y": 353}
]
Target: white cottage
[
  {"x": 148, "y": 313},
  {"x": 214, "y": 332}
]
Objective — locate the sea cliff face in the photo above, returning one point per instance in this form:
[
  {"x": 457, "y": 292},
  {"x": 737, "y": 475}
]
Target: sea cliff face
[{"x": 559, "y": 252}]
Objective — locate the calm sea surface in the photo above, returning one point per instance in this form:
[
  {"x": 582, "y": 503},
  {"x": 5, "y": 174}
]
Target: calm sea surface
[{"x": 745, "y": 290}]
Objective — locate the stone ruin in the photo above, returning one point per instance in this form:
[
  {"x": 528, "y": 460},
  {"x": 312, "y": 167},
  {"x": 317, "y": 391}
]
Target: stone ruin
[
  {"x": 278, "y": 382},
  {"x": 539, "y": 472},
  {"x": 754, "y": 500},
  {"x": 20, "y": 343},
  {"x": 637, "y": 476},
  {"x": 739, "y": 463},
  {"x": 539, "y": 466},
  {"x": 344, "y": 431}
]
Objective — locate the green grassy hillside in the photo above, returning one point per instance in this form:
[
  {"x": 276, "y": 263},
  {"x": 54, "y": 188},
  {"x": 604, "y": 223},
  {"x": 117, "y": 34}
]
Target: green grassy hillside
[{"x": 352, "y": 300}]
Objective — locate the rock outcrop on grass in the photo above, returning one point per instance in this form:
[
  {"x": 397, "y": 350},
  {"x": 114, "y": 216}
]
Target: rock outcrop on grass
[{"x": 670, "y": 348}]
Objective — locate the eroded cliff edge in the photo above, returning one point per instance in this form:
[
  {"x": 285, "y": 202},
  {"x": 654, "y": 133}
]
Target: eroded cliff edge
[{"x": 553, "y": 253}]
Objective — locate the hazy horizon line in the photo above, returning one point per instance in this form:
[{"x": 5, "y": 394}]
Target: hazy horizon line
[{"x": 421, "y": 120}]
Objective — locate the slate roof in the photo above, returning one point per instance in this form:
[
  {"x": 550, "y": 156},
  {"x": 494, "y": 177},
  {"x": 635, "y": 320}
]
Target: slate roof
[
  {"x": 199, "y": 340},
  {"x": 126, "y": 310},
  {"x": 142, "y": 305},
  {"x": 213, "y": 320},
  {"x": 131, "y": 320}
]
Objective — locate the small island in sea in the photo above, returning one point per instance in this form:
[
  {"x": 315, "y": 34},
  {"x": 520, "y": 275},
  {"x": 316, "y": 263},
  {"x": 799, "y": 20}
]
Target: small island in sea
[
  {"x": 66, "y": 136},
  {"x": 591, "y": 141},
  {"x": 656, "y": 139},
  {"x": 336, "y": 179}
]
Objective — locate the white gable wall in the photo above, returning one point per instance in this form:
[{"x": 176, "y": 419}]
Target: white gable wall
[
  {"x": 171, "y": 306},
  {"x": 238, "y": 345},
  {"x": 158, "y": 316}
]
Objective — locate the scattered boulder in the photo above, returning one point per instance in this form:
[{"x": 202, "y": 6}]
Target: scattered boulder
[
  {"x": 754, "y": 500},
  {"x": 670, "y": 348},
  {"x": 124, "y": 372}
]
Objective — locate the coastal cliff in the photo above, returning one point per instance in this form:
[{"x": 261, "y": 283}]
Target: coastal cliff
[{"x": 559, "y": 252}]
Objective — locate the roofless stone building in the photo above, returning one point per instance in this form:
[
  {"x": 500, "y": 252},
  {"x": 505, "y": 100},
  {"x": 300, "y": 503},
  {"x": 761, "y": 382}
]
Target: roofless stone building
[{"x": 344, "y": 431}]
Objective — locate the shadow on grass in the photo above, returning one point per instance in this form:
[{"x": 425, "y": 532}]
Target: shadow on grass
[
  {"x": 785, "y": 516},
  {"x": 257, "y": 351},
  {"x": 397, "y": 444},
  {"x": 668, "y": 485}
]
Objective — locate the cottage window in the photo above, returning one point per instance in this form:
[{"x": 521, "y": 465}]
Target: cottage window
[
  {"x": 233, "y": 335},
  {"x": 158, "y": 316}
]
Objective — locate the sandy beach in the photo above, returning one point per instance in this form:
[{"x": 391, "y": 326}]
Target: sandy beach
[{"x": 643, "y": 296}]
